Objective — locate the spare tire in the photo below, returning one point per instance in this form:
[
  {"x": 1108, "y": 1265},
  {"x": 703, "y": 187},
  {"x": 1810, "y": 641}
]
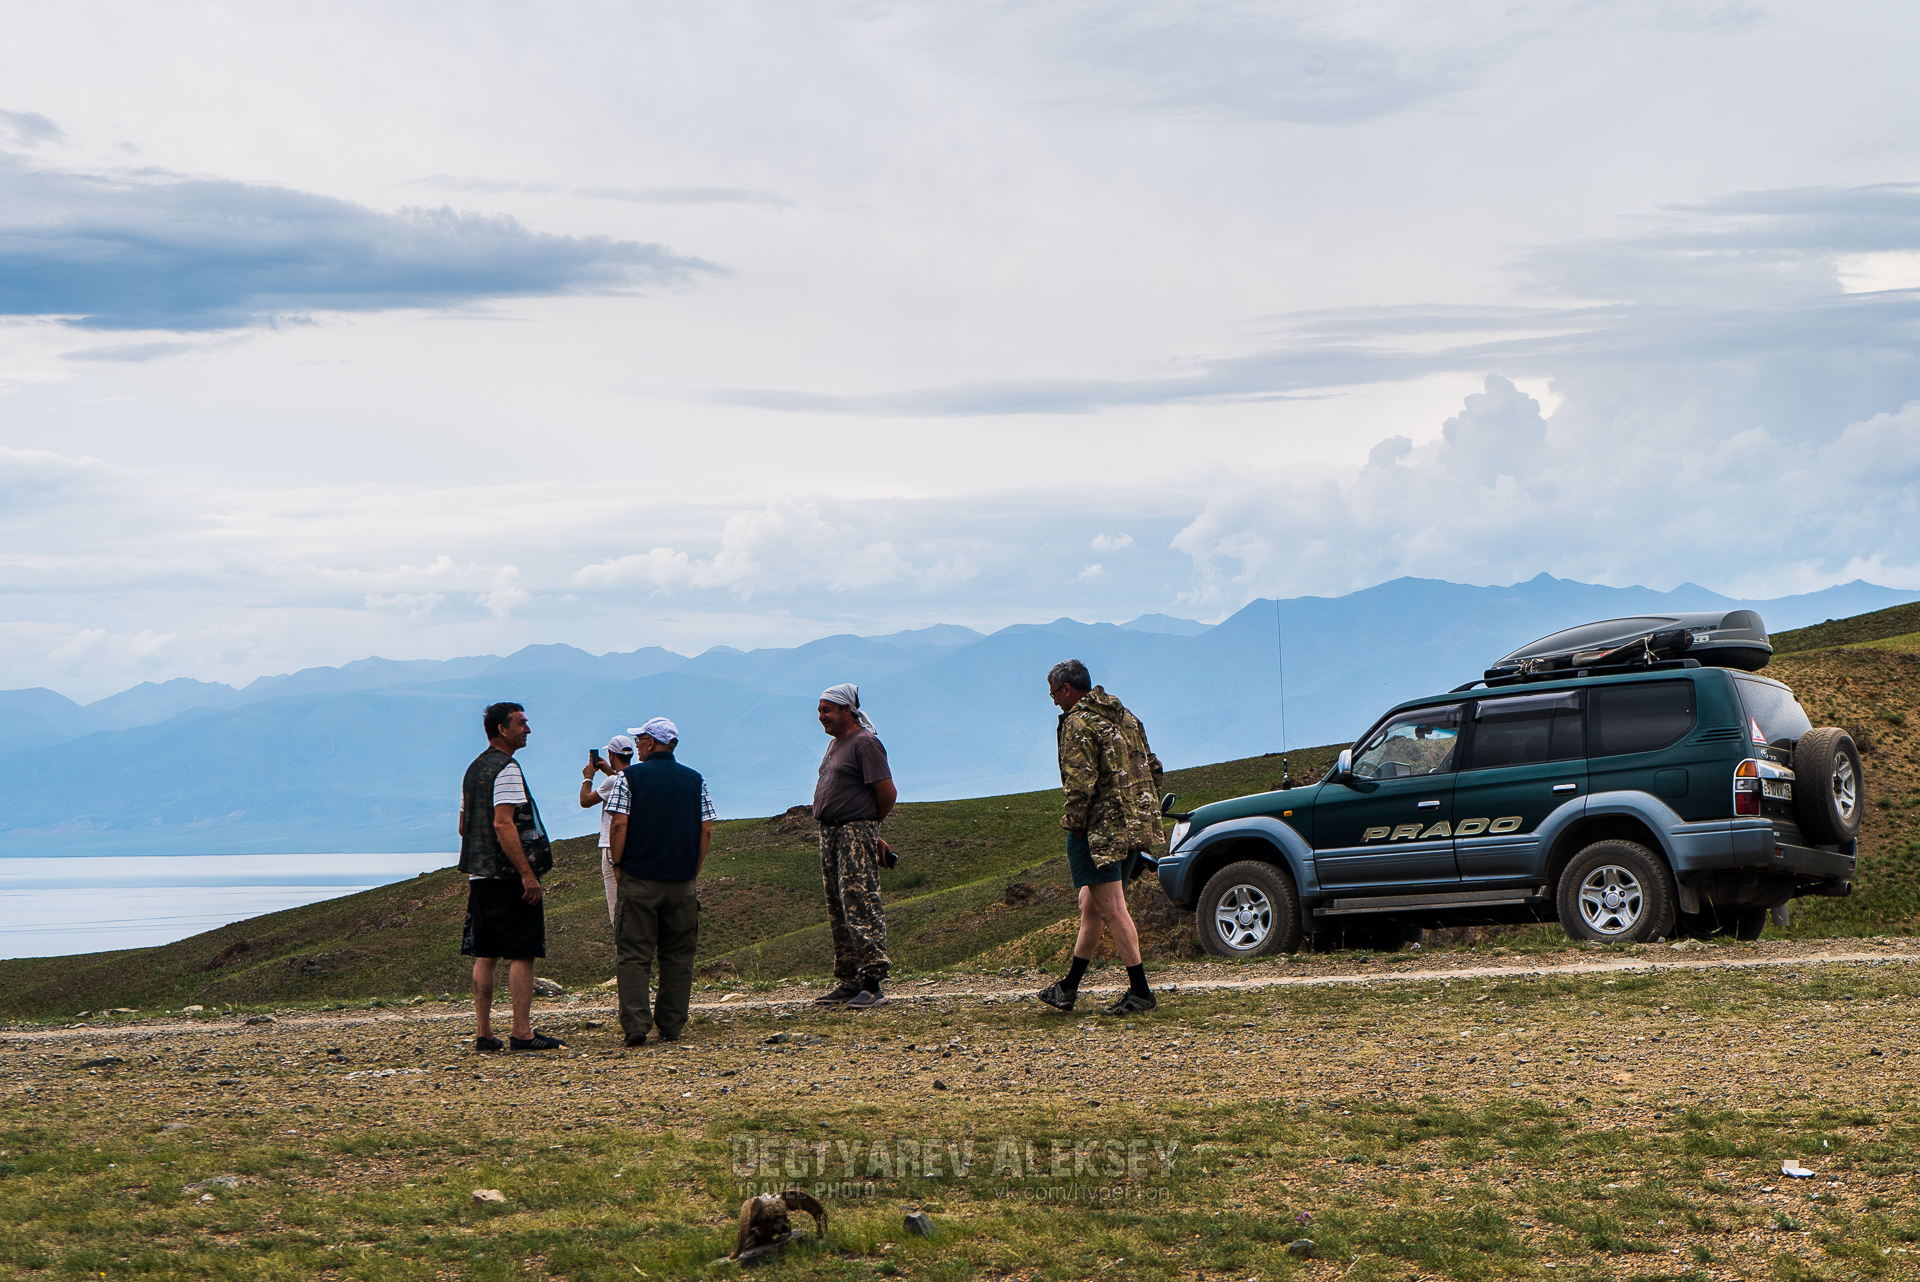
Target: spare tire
[{"x": 1827, "y": 786}]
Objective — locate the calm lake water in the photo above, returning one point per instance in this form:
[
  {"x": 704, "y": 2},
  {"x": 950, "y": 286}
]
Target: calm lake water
[{"x": 89, "y": 904}]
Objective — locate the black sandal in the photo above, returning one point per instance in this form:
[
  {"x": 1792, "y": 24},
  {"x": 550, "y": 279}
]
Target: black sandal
[
  {"x": 488, "y": 1044},
  {"x": 538, "y": 1042}
]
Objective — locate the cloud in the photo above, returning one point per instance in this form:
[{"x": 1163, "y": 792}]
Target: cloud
[
  {"x": 135, "y": 352},
  {"x": 29, "y": 128},
  {"x": 630, "y": 195},
  {"x": 1111, "y": 542},
  {"x": 155, "y": 250},
  {"x": 1605, "y": 492}
]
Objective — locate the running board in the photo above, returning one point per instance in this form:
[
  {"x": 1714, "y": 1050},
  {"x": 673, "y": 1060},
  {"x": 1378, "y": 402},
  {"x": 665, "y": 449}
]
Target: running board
[{"x": 1457, "y": 899}]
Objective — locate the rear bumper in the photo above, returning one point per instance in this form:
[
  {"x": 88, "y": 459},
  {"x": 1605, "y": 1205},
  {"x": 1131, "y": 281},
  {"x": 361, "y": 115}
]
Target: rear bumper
[{"x": 1753, "y": 844}]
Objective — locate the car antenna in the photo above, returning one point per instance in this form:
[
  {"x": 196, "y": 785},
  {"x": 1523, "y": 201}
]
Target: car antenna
[{"x": 1280, "y": 655}]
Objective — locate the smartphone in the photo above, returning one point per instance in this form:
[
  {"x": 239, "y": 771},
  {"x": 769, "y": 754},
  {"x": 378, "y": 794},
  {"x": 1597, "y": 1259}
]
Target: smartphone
[{"x": 593, "y": 755}]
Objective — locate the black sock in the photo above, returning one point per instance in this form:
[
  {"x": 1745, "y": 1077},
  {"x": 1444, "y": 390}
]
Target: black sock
[
  {"x": 1137, "y": 980},
  {"x": 1074, "y": 973},
  {"x": 871, "y": 985}
]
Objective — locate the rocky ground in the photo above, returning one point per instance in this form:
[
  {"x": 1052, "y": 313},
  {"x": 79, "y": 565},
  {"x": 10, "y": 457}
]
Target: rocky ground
[{"x": 1605, "y": 1113}]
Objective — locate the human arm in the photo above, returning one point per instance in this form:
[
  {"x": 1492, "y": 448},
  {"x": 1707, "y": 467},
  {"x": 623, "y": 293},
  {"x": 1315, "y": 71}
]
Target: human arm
[
  {"x": 508, "y": 834},
  {"x": 617, "y": 842},
  {"x": 706, "y": 843},
  {"x": 1079, "y": 774},
  {"x": 589, "y": 796},
  {"x": 884, "y": 795}
]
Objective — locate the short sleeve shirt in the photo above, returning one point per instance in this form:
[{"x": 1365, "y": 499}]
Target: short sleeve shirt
[
  {"x": 619, "y": 802},
  {"x": 844, "y": 793},
  {"x": 604, "y": 787},
  {"x": 509, "y": 789}
]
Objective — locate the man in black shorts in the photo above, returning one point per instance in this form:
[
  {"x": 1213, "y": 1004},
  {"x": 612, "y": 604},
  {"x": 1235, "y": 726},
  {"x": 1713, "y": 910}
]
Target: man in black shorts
[{"x": 505, "y": 916}]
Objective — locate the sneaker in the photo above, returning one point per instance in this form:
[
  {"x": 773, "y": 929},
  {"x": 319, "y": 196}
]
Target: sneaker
[
  {"x": 866, "y": 999},
  {"x": 842, "y": 993},
  {"x": 538, "y": 1042},
  {"x": 1132, "y": 1003},
  {"x": 1059, "y": 996},
  {"x": 637, "y": 1039}
]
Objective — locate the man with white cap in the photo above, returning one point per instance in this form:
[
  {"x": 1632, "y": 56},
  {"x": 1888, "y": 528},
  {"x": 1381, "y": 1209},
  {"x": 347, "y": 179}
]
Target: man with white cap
[
  {"x": 661, "y": 826},
  {"x": 594, "y": 793},
  {"x": 854, "y": 793}
]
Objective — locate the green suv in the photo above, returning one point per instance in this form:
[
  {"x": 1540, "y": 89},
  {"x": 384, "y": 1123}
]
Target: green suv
[{"x": 1632, "y": 779}]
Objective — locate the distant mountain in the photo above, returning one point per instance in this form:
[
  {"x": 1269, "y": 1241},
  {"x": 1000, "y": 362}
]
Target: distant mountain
[{"x": 368, "y": 756}]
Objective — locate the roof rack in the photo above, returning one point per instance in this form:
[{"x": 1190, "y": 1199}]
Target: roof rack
[{"x": 1497, "y": 678}]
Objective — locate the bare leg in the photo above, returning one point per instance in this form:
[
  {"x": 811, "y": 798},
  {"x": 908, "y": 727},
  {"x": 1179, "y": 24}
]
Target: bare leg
[
  {"x": 483, "y": 996},
  {"x": 520, "y": 984},
  {"x": 1109, "y": 900},
  {"x": 1091, "y": 924}
]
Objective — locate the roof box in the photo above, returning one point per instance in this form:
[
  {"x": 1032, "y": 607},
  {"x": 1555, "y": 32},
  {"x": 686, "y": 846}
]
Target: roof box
[{"x": 1722, "y": 639}]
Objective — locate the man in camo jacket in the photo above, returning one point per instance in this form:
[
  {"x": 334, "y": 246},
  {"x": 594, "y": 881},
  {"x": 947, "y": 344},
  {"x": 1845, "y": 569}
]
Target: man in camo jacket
[{"x": 1111, "y": 782}]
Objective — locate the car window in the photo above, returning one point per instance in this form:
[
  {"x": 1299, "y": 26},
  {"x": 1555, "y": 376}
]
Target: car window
[
  {"x": 1640, "y": 717},
  {"x": 1781, "y": 718},
  {"x": 1419, "y": 742},
  {"x": 1525, "y": 729}
]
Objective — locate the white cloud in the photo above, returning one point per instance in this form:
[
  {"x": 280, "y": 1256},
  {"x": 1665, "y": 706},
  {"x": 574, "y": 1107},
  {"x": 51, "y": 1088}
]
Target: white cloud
[{"x": 1111, "y": 542}]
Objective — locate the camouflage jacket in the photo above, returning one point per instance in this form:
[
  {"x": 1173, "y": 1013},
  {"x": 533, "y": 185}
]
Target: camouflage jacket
[{"x": 1110, "y": 777}]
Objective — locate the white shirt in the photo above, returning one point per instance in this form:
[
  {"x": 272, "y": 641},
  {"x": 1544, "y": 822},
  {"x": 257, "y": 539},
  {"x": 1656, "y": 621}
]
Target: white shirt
[{"x": 603, "y": 787}]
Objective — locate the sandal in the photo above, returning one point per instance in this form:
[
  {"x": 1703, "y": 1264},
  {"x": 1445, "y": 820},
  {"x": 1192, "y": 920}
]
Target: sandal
[
  {"x": 1059, "y": 996},
  {"x": 488, "y": 1044},
  {"x": 538, "y": 1042}
]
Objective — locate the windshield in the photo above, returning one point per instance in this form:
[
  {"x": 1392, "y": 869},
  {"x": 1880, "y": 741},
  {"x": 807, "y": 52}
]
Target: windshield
[{"x": 1782, "y": 720}]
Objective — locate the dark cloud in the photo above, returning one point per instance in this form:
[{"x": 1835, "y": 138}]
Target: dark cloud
[
  {"x": 158, "y": 251},
  {"x": 29, "y": 128}
]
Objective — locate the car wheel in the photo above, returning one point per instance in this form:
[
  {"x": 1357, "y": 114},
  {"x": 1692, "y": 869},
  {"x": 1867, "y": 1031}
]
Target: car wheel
[
  {"x": 1748, "y": 923},
  {"x": 1616, "y": 892},
  {"x": 1828, "y": 791},
  {"x": 1249, "y": 909}
]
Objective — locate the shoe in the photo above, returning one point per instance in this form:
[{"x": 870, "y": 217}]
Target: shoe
[
  {"x": 667, "y": 1037},
  {"x": 488, "y": 1044},
  {"x": 866, "y": 999},
  {"x": 638, "y": 1039},
  {"x": 1059, "y": 996},
  {"x": 841, "y": 994},
  {"x": 538, "y": 1042},
  {"x": 1132, "y": 1003}
]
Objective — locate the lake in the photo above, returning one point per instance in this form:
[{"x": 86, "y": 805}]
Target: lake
[{"x": 92, "y": 903}]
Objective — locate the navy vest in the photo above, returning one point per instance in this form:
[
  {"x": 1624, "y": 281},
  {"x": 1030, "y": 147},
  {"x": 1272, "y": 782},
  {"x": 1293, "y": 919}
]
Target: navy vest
[{"x": 663, "y": 820}]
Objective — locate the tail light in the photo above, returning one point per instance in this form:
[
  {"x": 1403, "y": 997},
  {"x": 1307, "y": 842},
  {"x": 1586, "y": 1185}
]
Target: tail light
[{"x": 1754, "y": 779}]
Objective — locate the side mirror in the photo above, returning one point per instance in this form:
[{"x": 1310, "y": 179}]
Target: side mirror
[
  {"x": 1343, "y": 768},
  {"x": 1166, "y": 803}
]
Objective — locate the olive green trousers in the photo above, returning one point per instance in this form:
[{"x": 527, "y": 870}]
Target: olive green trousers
[{"x": 655, "y": 921}]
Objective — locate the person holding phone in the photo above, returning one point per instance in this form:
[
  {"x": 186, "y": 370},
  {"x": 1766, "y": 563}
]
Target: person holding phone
[{"x": 594, "y": 792}]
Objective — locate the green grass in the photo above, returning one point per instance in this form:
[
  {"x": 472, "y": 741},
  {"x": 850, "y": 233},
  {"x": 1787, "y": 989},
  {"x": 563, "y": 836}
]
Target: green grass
[{"x": 1880, "y": 625}]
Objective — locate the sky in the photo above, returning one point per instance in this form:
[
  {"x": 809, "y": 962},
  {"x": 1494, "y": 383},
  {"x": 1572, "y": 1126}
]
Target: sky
[{"x": 400, "y": 329}]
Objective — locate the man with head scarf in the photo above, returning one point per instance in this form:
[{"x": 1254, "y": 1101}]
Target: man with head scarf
[
  {"x": 854, "y": 793},
  {"x": 661, "y": 828}
]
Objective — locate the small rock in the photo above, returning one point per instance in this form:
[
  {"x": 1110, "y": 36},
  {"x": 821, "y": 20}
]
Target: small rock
[
  {"x": 548, "y": 988},
  {"x": 594, "y": 1023},
  {"x": 213, "y": 1182},
  {"x": 1792, "y": 1167},
  {"x": 191, "y": 1010},
  {"x": 939, "y": 1085},
  {"x": 105, "y": 1061},
  {"x": 780, "y": 1039},
  {"x": 1301, "y": 1247},
  {"x": 123, "y": 1010},
  {"x": 206, "y": 1197},
  {"x": 85, "y": 1014},
  {"x": 920, "y": 1224},
  {"x": 483, "y": 1196},
  {"x": 262, "y": 1019}
]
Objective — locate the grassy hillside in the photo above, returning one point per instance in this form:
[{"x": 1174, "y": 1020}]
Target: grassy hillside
[
  {"x": 764, "y": 914},
  {"x": 1881, "y": 625}
]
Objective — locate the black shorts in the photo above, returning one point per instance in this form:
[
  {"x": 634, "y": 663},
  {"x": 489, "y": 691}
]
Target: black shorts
[
  {"x": 502, "y": 924},
  {"x": 1082, "y": 868}
]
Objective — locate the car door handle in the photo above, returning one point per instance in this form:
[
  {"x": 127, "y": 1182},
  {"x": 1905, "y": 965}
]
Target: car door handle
[
  {"x": 1429, "y": 805},
  {"x": 1566, "y": 787}
]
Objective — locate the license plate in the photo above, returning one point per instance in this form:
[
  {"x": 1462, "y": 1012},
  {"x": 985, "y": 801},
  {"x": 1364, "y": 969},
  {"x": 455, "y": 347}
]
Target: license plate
[{"x": 1781, "y": 789}]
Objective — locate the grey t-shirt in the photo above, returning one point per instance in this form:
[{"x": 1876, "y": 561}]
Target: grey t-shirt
[{"x": 841, "y": 795}]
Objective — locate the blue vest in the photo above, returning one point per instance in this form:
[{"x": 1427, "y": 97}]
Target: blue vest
[{"x": 663, "y": 820}]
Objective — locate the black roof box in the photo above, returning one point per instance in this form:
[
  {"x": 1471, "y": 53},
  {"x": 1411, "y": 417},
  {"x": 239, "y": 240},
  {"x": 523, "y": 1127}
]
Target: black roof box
[{"x": 1721, "y": 639}]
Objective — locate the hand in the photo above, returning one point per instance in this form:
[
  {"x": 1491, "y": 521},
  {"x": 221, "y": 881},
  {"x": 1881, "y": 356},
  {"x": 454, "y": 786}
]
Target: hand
[
  {"x": 589, "y": 770},
  {"x": 530, "y": 889}
]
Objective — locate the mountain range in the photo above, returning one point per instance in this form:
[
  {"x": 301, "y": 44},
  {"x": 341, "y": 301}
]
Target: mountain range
[{"x": 368, "y": 756}]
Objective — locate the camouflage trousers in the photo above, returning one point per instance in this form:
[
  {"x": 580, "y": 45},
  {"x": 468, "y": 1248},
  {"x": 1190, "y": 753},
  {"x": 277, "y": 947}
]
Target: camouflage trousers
[{"x": 850, "y": 867}]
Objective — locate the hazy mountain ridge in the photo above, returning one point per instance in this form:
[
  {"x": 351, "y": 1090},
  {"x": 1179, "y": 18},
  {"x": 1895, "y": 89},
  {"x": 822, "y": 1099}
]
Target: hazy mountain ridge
[{"x": 368, "y": 756}]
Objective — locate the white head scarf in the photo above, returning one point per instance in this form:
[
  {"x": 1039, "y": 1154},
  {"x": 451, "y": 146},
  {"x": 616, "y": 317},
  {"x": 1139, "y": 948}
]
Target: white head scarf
[{"x": 847, "y": 695}]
